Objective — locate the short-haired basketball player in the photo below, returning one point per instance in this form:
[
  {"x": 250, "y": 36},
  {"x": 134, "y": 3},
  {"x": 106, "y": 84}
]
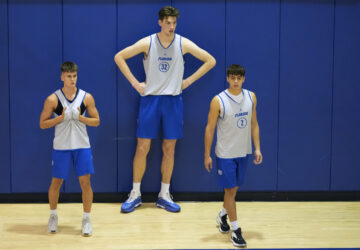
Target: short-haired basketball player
[
  {"x": 233, "y": 112},
  {"x": 161, "y": 102},
  {"x": 71, "y": 142}
]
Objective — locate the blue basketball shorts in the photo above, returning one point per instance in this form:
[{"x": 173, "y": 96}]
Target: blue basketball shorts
[
  {"x": 164, "y": 111},
  {"x": 231, "y": 172},
  {"x": 64, "y": 159}
]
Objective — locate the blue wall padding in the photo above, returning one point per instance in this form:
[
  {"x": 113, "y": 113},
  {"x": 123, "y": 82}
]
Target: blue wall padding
[
  {"x": 35, "y": 55},
  {"x": 301, "y": 58},
  {"x": 306, "y": 66},
  {"x": 252, "y": 35},
  {"x": 345, "y": 171},
  {"x": 5, "y": 177},
  {"x": 95, "y": 25}
]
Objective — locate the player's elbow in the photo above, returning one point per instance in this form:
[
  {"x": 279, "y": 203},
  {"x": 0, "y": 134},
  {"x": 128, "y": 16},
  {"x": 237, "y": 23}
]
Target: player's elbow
[
  {"x": 118, "y": 57},
  {"x": 97, "y": 123},
  {"x": 212, "y": 62},
  {"x": 42, "y": 126}
]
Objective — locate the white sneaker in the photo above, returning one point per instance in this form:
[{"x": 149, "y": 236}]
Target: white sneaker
[
  {"x": 53, "y": 223},
  {"x": 86, "y": 227}
]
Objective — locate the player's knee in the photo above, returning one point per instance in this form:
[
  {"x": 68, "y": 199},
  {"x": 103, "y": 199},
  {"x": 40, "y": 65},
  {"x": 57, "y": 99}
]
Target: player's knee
[
  {"x": 56, "y": 184},
  {"x": 142, "y": 148},
  {"x": 231, "y": 192},
  {"x": 85, "y": 184},
  {"x": 168, "y": 149}
]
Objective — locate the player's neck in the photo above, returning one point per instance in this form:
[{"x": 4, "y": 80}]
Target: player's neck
[
  {"x": 235, "y": 91},
  {"x": 69, "y": 91},
  {"x": 166, "y": 38}
]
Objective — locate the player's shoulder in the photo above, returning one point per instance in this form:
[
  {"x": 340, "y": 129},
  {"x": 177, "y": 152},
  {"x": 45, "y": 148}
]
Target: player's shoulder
[
  {"x": 215, "y": 101},
  {"x": 51, "y": 100}
]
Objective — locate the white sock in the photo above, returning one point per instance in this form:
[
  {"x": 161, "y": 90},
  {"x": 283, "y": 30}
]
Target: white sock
[
  {"x": 86, "y": 215},
  {"x": 234, "y": 225},
  {"x": 136, "y": 187},
  {"x": 53, "y": 212},
  {"x": 222, "y": 212},
  {"x": 164, "y": 189}
]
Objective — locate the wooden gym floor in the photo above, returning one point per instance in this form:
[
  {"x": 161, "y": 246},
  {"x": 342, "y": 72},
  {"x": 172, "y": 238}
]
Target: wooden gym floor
[{"x": 264, "y": 224}]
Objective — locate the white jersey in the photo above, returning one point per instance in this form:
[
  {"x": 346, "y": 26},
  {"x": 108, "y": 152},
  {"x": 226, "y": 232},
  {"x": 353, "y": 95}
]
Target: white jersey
[
  {"x": 164, "y": 67},
  {"x": 71, "y": 133},
  {"x": 234, "y": 125}
]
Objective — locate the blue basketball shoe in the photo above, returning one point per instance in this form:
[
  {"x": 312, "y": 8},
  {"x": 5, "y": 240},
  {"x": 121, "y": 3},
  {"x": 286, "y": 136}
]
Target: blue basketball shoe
[
  {"x": 131, "y": 203},
  {"x": 167, "y": 203}
]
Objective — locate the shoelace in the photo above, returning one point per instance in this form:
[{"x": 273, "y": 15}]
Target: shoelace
[
  {"x": 168, "y": 197},
  {"x": 132, "y": 196}
]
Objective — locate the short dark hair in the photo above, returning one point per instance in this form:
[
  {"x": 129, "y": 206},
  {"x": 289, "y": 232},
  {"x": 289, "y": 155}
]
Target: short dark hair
[
  {"x": 168, "y": 11},
  {"x": 235, "y": 69},
  {"x": 69, "y": 67}
]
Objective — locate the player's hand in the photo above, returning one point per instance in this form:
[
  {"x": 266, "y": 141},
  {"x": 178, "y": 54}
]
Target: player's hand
[
  {"x": 185, "y": 84},
  {"x": 258, "y": 157},
  {"x": 76, "y": 114},
  {"x": 62, "y": 116},
  {"x": 208, "y": 163},
  {"x": 140, "y": 87}
]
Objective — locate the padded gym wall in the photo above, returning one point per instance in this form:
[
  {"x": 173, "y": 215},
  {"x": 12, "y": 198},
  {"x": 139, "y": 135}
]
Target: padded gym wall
[
  {"x": 345, "y": 171},
  {"x": 301, "y": 58},
  {"x": 5, "y": 174},
  {"x": 35, "y": 50}
]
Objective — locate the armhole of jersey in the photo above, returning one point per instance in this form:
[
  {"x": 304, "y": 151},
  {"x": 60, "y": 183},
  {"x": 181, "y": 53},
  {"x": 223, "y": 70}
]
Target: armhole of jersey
[
  {"x": 149, "y": 48},
  {"x": 181, "y": 47},
  {"x": 222, "y": 107},
  {"x": 252, "y": 103},
  {"x": 59, "y": 107},
  {"x": 82, "y": 108},
  {"x": 83, "y": 97}
]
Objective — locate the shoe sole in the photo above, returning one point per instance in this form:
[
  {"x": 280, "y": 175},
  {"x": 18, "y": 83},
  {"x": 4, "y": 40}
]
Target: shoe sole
[
  {"x": 137, "y": 205},
  {"x": 52, "y": 232},
  {"x": 236, "y": 244},
  {"x": 161, "y": 206},
  {"x": 87, "y": 235},
  {"x": 218, "y": 225}
]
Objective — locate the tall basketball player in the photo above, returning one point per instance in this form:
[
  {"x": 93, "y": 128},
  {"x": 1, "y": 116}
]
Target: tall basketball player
[
  {"x": 233, "y": 112},
  {"x": 161, "y": 101},
  {"x": 71, "y": 142}
]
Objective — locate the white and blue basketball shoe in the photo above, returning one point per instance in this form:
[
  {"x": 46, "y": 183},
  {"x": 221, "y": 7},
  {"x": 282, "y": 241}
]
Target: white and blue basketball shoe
[
  {"x": 131, "y": 203},
  {"x": 167, "y": 203}
]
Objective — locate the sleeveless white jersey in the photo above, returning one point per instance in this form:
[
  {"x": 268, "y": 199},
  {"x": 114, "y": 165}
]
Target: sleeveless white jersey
[
  {"x": 234, "y": 126},
  {"x": 164, "y": 67},
  {"x": 71, "y": 133}
]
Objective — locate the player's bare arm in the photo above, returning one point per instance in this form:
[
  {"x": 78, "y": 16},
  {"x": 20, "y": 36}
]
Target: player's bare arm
[
  {"x": 209, "y": 131},
  {"x": 209, "y": 61},
  {"x": 142, "y": 46},
  {"x": 255, "y": 132},
  {"x": 49, "y": 106},
  {"x": 94, "y": 119}
]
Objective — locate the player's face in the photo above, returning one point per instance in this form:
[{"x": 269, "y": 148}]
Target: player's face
[
  {"x": 168, "y": 25},
  {"x": 235, "y": 81},
  {"x": 69, "y": 79}
]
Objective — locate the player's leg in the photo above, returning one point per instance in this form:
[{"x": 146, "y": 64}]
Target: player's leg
[
  {"x": 139, "y": 163},
  {"x": 172, "y": 123},
  {"x": 236, "y": 236},
  {"x": 54, "y": 192},
  {"x": 167, "y": 166},
  {"x": 61, "y": 161},
  {"x": 167, "y": 163},
  {"x": 139, "y": 167},
  {"x": 87, "y": 198},
  {"x": 84, "y": 168},
  {"x": 148, "y": 128}
]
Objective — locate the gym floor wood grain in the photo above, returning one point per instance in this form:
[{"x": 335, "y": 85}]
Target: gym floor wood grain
[{"x": 264, "y": 224}]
